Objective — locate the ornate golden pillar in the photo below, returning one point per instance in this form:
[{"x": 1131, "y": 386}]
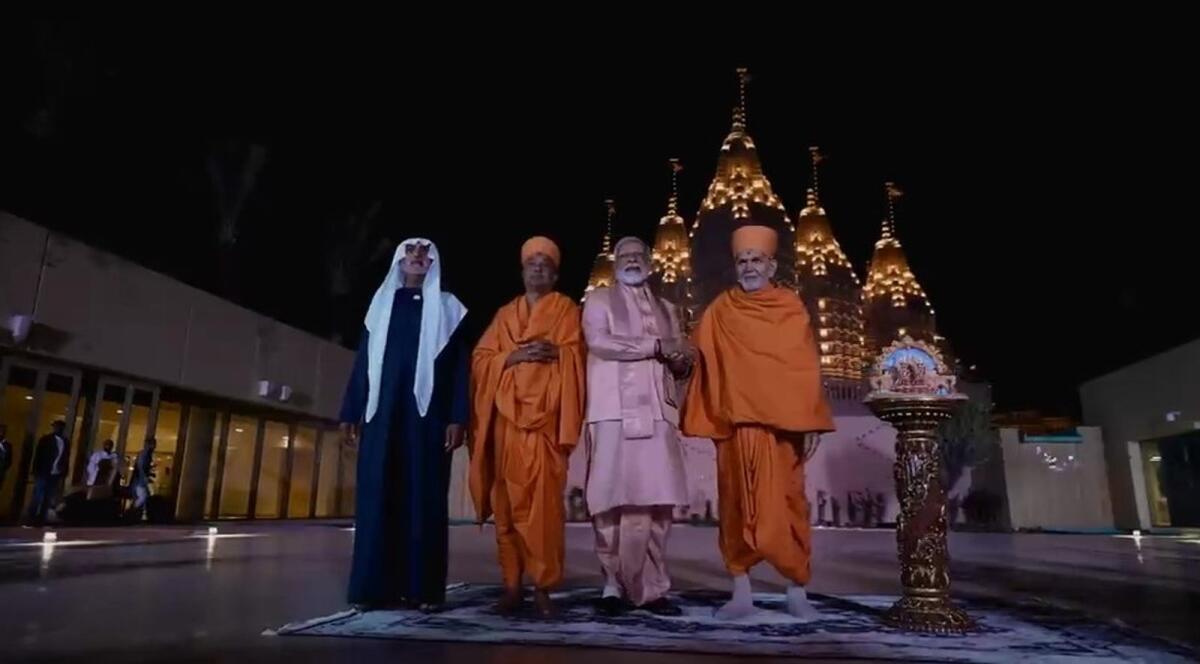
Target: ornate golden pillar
[{"x": 913, "y": 391}]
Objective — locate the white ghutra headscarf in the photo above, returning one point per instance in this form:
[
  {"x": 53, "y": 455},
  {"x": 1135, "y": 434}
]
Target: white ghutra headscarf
[{"x": 440, "y": 315}]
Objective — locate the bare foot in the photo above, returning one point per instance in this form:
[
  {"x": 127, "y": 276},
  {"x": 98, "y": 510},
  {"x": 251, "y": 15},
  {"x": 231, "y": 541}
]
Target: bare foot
[
  {"x": 799, "y": 606},
  {"x": 736, "y": 608}
]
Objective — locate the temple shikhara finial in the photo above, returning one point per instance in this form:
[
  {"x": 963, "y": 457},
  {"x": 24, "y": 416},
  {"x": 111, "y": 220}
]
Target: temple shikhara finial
[
  {"x": 672, "y": 253},
  {"x": 892, "y": 193},
  {"x": 673, "y": 201},
  {"x": 815, "y": 158},
  {"x": 602, "y": 267},
  {"x": 611, "y": 205},
  {"x": 827, "y": 283},
  {"x": 739, "y": 180},
  {"x": 739, "y": 111},
  {"x": 739, "y": 194},
  {"x": 896, "y": 304}
]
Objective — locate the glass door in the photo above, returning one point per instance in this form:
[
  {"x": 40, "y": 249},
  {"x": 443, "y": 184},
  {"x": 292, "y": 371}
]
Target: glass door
[
  {"x": 301, "y": 497},
  {"x": 124, "y": 412},
  {"x": 273, "y": 453},
  {"x": 33, "y": 396}
]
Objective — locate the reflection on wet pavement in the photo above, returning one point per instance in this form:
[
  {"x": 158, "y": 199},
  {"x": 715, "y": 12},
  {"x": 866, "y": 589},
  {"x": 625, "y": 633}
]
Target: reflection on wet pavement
[{"x": 191, "y": 594}]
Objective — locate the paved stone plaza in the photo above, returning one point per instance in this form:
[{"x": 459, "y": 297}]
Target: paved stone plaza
[{"x": 174, "y": 594}]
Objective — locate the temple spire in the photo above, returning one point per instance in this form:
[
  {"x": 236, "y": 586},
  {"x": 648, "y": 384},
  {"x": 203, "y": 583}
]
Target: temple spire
[
  {"x": 830, "y": 290},
  {"x": 816, "y": 158},
  {"x": 612, "y": 212},
  {"x": 739, "y": 111},
  {"x": 673, "y": 201},
  {"x": 602, "y": 267},
  {"x": 889, "y": 222},
  {"x": 671, "y": 251},
  {"x": 897, "y": 306},
  {"x": 738, "y": 194}
]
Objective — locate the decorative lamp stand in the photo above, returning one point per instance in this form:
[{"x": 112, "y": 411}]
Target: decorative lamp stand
[{"x": 913, "y": 391}]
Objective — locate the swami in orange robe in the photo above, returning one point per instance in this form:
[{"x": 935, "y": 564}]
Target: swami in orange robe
[
  {"x": 757, "y": 394},
  {"x": 527, "y": 401}
]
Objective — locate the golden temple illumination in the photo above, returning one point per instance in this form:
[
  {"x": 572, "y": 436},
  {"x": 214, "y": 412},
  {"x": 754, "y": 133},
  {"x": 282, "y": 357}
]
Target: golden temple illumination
[
  {"x": 827, "y": 283},
  {"x": 671, "y": 251},
  {"x": 852, "y": 321},
  {"x": 738, "y": 195},
  {"x": 739, "y": 180},
  {"x": 894, "y": 299},
  {"x": 602, "y": 268}
]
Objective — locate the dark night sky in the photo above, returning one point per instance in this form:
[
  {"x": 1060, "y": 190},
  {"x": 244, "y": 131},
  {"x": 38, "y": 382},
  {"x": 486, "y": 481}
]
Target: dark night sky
[{"x": 1046, "y": 215}]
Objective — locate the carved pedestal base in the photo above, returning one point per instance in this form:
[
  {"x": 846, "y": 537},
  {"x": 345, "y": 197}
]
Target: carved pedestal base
[
  {"x": 921, "y": 524},
  {"x": 935, "y": 615}
]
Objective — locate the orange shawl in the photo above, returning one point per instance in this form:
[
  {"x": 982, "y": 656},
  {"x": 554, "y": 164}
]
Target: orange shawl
[
  {"x": 536, "y": 397},
  {"x": 758, "y": 365}
]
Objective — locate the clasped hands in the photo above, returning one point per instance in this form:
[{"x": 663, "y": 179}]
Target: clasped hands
[
  {"x": 677, "y": 353},
  {"x": 538, "y": 350}
]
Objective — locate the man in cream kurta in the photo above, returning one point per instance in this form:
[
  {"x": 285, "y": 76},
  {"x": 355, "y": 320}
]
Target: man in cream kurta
[{"x": 635, "y": 472}]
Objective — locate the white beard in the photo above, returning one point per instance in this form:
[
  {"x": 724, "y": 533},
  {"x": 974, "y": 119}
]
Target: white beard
[
  {"x": 632, "y": 279},
  {"x": 751, "y": 284}
]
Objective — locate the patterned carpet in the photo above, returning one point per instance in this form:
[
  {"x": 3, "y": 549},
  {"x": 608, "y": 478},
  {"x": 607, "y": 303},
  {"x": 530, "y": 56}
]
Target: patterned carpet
[{"x": 849, "y": 629}]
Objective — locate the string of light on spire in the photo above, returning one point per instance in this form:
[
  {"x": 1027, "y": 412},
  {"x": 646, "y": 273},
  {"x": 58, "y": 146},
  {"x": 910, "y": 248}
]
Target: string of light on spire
[
  {"x": 602, "y": 268},
  {"x": 817, "y": 250},
  {"x": 826, "y": 278},
  {"x": 889, "y": 275},
  {"x": 739, "y": 180},
  {"x": 672, "y": 253}
]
